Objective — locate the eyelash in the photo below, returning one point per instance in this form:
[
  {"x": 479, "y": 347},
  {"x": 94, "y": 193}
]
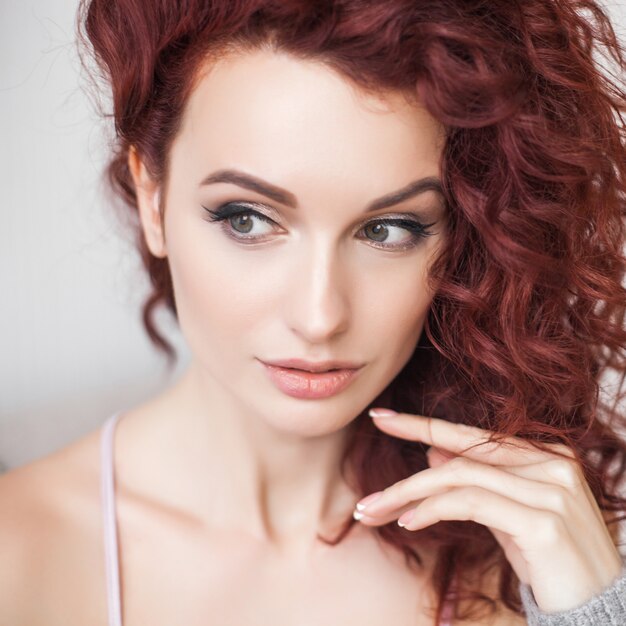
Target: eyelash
[{"x": 234, "y": 209}]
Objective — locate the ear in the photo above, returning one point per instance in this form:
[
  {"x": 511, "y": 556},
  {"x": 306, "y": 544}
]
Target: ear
[{"x": 148, "y": 196}]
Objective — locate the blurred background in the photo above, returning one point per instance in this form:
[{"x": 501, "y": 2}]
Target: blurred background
[{"x": 72, "y": 346}]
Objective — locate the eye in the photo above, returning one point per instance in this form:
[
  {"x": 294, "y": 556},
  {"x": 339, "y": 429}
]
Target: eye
[
  {"x": 238, "y": 222},
  {"x": 240, "y": 219},
  {"x": 413, "y": 232}
]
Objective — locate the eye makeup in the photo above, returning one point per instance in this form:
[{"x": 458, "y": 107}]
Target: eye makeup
[{"x": 226, "y": 213}]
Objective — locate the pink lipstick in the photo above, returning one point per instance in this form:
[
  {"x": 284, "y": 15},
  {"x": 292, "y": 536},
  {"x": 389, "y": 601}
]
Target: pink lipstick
[{"x": 300, "y": 383}]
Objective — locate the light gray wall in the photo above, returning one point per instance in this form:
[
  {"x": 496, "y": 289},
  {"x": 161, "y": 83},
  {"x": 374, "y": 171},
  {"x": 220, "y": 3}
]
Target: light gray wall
[{"x": 71, "y": 343}]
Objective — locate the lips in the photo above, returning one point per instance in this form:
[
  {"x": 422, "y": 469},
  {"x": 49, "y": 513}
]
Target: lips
[
  {"x": 314, "y": 366},
  {"x": 300, "y": 383}
]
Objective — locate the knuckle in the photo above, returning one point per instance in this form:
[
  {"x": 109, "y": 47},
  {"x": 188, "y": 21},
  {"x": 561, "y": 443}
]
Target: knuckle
[
  {"x": 560, "y": 500},
  {"x": 566, "y": 472}
]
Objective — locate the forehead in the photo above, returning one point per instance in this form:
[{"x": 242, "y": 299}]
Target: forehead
[{"x": 285, "y": 119}]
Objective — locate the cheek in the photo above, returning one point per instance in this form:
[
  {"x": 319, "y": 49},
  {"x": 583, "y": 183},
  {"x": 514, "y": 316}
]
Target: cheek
[
  {"x": 223, "y": 292},
  {"x": 218, "y": 297},
  {"x": 395, "y": 304}
]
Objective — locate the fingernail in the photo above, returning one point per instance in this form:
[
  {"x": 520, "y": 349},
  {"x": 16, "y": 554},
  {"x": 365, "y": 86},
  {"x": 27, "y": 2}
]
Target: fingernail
[
  {"x": 371, "y": 498},
  {"x": 405, "y": 518},
  {"x": 382, "y": 413},
  {"x": 357, "y": 516}
]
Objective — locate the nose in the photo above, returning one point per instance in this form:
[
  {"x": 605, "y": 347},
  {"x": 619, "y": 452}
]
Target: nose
[{"x": 319, "y": 303}]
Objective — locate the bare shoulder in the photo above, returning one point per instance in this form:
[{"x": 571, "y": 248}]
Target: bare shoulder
[{"x": 48, "y": 523}]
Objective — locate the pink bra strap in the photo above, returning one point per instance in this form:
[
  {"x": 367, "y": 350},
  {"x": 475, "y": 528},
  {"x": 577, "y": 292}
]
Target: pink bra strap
[
  {"x": 110, "y": 531},
  {"x": 107, "y": 492}
]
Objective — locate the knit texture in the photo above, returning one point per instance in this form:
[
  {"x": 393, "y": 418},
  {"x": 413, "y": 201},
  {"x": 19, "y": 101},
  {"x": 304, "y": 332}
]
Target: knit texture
[{"x": 608, "y": 608}]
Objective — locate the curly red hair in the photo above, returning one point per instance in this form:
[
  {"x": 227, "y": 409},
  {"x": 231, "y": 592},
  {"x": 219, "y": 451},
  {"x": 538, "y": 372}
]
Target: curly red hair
[{"x": 528, "y": 315}]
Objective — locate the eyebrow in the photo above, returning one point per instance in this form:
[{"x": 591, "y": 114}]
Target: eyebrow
[{"x": 278, "y": 194}]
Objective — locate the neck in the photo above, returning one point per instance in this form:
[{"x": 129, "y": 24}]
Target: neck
[{"x": 233, "y": 467}]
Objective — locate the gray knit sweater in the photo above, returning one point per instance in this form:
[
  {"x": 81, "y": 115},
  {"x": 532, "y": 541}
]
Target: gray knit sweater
[{"x": 605, "y": 609}]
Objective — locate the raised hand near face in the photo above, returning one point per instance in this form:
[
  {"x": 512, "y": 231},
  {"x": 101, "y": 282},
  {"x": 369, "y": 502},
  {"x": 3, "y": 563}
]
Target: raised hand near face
[{"x": 538, "y": 505}]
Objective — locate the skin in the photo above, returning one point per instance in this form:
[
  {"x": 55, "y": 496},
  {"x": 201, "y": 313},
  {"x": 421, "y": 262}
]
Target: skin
[
  {"x": 536, "y": 503},
  {"x": 315, "y": 287},
  {"x": 231, "y": 478}
]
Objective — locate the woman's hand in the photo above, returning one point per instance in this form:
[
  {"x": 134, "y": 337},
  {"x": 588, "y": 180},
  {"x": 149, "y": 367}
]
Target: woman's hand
[{"x": 537, "y": 505}]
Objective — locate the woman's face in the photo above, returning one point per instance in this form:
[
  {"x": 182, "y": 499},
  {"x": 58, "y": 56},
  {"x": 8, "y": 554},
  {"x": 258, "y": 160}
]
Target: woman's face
[{"x": 313, "y": 274}]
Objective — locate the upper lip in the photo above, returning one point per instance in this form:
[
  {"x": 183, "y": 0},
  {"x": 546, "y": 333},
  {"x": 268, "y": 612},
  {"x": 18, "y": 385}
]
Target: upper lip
[{"x": 314, "y": 366}]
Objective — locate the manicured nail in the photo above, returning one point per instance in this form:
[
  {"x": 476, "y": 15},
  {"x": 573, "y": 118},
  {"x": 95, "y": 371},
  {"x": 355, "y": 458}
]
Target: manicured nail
[
  {"x": 371, "y": 498},
  {"x": 382, "y": 413},
  {"x": 357, "y": 516},
  {"x": 405, "y": 518}
]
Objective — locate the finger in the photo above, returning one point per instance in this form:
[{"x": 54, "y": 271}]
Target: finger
[
  {"x": 438, "y": 457},
  {"x": 551, "y": 471},
  {"x": 462, "y": 472},
  {"x": 484, "y": 507},
  {"x": 381, "y": 520},
  {"x": 566, "y": 474},
  {"x": 458, "y": 439},
  {"x": 435, "y": 454}
]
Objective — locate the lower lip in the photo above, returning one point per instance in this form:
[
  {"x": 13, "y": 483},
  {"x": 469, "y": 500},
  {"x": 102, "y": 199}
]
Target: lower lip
[{"x": 303, "y": 384}]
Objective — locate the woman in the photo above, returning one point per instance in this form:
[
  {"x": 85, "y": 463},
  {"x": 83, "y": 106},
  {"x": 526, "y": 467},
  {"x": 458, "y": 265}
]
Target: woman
[{"x": 346, "y": 206}]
